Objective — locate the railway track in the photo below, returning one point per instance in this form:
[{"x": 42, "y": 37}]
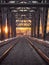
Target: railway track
[
  {"x": 43, "y": 56},
  {"x": 25, "y": 52},
  {"x": 6, "y": 42},
  {"x": 40, "y": 42},
  {"x": 43, "y": 46},
  {"x": 3, "y": 56}
]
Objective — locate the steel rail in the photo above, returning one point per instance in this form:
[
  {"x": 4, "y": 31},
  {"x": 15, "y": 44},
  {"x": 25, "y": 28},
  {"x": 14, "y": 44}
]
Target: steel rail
[
  {"x": 40, "y": 42},
  {"x": 4, "y": 55},
  {"x": 24, "y": 5},
  {"x": 5, "y": 42},
  {"x": 43, "y": 56}
]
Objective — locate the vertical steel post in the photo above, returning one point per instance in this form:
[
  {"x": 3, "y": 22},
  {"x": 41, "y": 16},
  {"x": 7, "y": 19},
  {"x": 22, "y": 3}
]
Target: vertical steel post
[
  {"x": 44, "y": 20},
  {"x": 32, "y": 26},
  {"x": 38, "y": 22},
  {"x": 9, "y": 17},
  {"x": 13, "y": 24},
  {"x": 0, "y": 21},
  {"x": 45, "y": 26},
  {"x": 38, "y": 30},
  {"x": 4, "y": 19}
]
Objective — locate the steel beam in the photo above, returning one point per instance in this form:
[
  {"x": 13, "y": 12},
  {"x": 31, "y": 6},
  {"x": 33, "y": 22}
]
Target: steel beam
[
  {"x": 45, "y": 26},
  {"x": 38, "y": 30},
  {"x": 13, "y": 25},
  {"x": 4, "y": 19},
  {"x": 38, "y": 22},
  {"x": 23, "y": 22},
  {"x": 23, "y": 26},
  {"x": 9, "y": 16},
  {"x": 0, "y": 25},
  {"x": 24, "y": 5},
  {"x": 34, "y": 24},
  {"x": 44, "y": 15},
  {"x": 19, "y": 12},
  {"x": 32, "y": 27}
]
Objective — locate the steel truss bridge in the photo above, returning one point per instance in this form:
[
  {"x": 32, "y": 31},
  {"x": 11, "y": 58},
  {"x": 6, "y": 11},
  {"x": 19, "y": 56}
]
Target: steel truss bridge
[{"x": 13, "y": 10}]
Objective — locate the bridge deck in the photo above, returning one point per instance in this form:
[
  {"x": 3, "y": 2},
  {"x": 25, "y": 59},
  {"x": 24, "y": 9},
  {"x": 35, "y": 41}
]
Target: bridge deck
[{"x": 23, "y": 53}]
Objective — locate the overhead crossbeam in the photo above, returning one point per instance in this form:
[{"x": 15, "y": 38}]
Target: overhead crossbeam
[
  {"x": 24, "y": 5},
  {"x": 23, "y": 22},
  {"x": 22, "y": 12},
  {"x": 22, "y": 26}
]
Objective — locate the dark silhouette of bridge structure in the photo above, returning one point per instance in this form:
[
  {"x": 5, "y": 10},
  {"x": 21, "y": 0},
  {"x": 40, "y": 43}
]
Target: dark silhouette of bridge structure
[{"x": 34, "y": 10}]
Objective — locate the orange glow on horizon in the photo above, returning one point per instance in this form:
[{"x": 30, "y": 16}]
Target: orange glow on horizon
[
  {"x": 25, "y": 31},
  {"x": 0, "y": 29},
  {"x": 6, "y": 29}
]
